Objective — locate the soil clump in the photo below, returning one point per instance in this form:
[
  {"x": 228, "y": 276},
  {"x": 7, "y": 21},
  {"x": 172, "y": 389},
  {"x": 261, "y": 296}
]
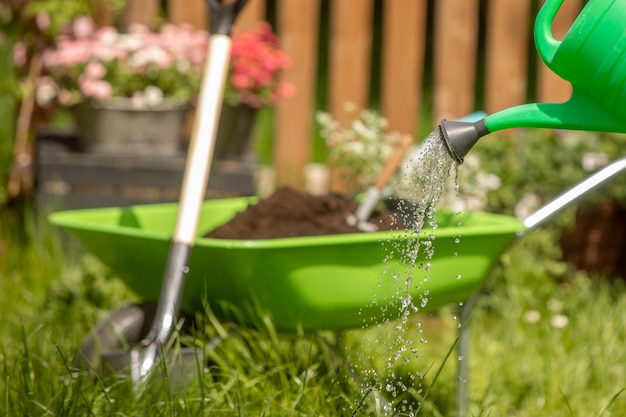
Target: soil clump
[{"x": 291, "y": 213}]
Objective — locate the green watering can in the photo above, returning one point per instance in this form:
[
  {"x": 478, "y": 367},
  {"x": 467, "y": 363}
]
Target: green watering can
[{"x": 591, "y": 56}]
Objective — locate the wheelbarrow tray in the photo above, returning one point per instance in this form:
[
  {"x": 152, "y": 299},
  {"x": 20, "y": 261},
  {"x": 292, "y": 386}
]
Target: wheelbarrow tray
[{"x": 316, "y": 282}]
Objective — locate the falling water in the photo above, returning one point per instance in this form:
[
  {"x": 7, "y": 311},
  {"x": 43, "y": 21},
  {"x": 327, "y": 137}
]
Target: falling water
[{"x": 427, "y": 175}]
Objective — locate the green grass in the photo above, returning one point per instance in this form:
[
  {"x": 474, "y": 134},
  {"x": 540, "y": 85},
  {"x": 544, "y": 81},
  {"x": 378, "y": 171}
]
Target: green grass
[{"x": 51, "y": 294}]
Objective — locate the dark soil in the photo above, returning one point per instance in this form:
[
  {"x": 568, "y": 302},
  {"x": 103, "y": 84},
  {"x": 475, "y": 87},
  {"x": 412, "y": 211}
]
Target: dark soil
[{"x": 290, "y": 213}]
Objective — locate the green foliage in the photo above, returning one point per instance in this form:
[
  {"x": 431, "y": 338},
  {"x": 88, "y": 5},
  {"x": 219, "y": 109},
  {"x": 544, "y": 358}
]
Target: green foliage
[
  {"x": 551, "y": 336},
  {"x": 544, "y": 163},
  {"x": 8, "y": 114},
  {"x": 59, "y": 13}
]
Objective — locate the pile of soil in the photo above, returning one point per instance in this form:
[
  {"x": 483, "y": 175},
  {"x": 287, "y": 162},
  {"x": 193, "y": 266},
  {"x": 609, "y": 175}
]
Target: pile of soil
[{"x": 291, "y": 213}]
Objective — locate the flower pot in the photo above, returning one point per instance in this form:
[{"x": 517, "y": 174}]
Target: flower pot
[
  {"x": 234, "y": 133},
  {"x": 115, "y": 126}
]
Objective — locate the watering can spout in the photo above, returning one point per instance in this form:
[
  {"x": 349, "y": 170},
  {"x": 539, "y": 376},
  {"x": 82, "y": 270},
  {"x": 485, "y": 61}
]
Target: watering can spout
[
  {"x": 460, "y": 137},
  {"x": 578, "y": 113}
]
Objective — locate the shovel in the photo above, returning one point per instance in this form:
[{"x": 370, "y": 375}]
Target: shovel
[
  {"x": 145, "y": 356},
  {"x": 373, "y": 193}
]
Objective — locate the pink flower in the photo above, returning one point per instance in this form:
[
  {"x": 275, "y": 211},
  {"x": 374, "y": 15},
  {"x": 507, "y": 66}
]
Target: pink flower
[
  {"x": 241, "y": 81},
  {"x": 95, "y": 70},
  {"x": 83, "y": 27},
  {"x": 137, "y": 100},
  {"x": 64, "y": 97},
  {"x": 19, "y": 54},
  {"x": 97, "y": 89},
  {"x": 68, "y": 54},
  {"x": 42, "y": 20}
]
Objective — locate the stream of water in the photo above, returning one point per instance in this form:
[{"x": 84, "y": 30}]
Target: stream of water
[{"x": 427, "y": 175}]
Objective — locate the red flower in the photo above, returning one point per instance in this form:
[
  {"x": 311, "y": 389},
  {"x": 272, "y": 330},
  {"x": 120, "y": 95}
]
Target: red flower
[{"x": 256, "y": 64}]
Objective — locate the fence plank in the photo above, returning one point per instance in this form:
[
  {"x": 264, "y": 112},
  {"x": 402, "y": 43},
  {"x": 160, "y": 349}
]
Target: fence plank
[
  {"x": 552, "y": 88},
  {"x": 298, "y": 23},
  {"x": 102, "y": 12},
  {"x": 253, "y": 11},
  {"x": 507, "y": 54},
  {"x": 350, "y": 55},
  {"x": 142, "y": 11},
  {"x": 404, "y": 41},
  {"x": 456, "y": 37},
  {"x": 194, "y": 12}
]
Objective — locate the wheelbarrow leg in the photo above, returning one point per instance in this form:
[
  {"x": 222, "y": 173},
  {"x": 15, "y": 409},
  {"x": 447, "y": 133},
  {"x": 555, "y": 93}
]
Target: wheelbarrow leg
[{"x": 463, "y": 351}]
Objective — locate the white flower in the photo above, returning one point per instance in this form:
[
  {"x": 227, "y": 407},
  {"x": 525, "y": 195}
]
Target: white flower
[
  {"x": 559, "y": 321},
  {"x": 45, "y": 94},
  {"x": 356, "y": 148},
  {"x": 152, "y": 54},
  {"x": 153, "y": 95},
  {"x": 491, "y": 181},
  {"x": 129, "y": 42},
  {"x": 532, "y": 316},
  {"x": 528, "y": 204},
  {"x": 594, "y": 160},
  {"x": 362, "y": 130},
  {"x": 555, "y": 305}
]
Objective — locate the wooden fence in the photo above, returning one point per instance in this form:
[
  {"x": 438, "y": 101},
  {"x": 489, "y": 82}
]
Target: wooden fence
[{"x": 453, "y": 56}]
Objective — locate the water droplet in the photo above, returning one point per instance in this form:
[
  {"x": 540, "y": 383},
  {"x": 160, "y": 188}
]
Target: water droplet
[
  {"x": 458, "y": 276},
  {"x": 185, "y": 269}
]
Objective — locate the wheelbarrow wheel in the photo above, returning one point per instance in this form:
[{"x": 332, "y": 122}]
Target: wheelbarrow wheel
[{"x": 119, "y": 330}]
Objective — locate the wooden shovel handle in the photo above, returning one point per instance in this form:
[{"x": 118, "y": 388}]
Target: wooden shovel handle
[{"x": 392, "y": 163}]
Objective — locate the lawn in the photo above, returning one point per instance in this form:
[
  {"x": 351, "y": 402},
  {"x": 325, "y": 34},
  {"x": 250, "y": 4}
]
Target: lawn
[{"x": 546, "y": 340}]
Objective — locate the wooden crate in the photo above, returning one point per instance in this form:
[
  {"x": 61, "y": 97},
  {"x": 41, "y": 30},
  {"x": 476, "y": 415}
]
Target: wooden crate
[{"x": 72, "y": 179}]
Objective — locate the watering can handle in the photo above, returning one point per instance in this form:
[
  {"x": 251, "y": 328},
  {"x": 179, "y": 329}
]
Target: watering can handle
[{"x": 545, "y": 42}]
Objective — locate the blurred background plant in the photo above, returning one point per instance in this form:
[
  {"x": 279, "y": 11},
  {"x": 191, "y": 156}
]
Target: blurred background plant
[
  {"x": 256, "y": 62},
  {"x": 91, "y": 62},
  {"x": 32, "y": 26},
  {"x": 97, "y": 63},
  {"x": 359, "y": 150},
  {"x": 537, "y": 164}
]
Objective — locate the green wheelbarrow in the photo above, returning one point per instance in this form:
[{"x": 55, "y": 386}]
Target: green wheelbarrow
[{"x": 332, "y": 282}]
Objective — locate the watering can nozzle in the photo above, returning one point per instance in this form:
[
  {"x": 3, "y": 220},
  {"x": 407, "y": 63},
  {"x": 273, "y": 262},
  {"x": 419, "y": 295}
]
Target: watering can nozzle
[{"x": 460, "y": 137}]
